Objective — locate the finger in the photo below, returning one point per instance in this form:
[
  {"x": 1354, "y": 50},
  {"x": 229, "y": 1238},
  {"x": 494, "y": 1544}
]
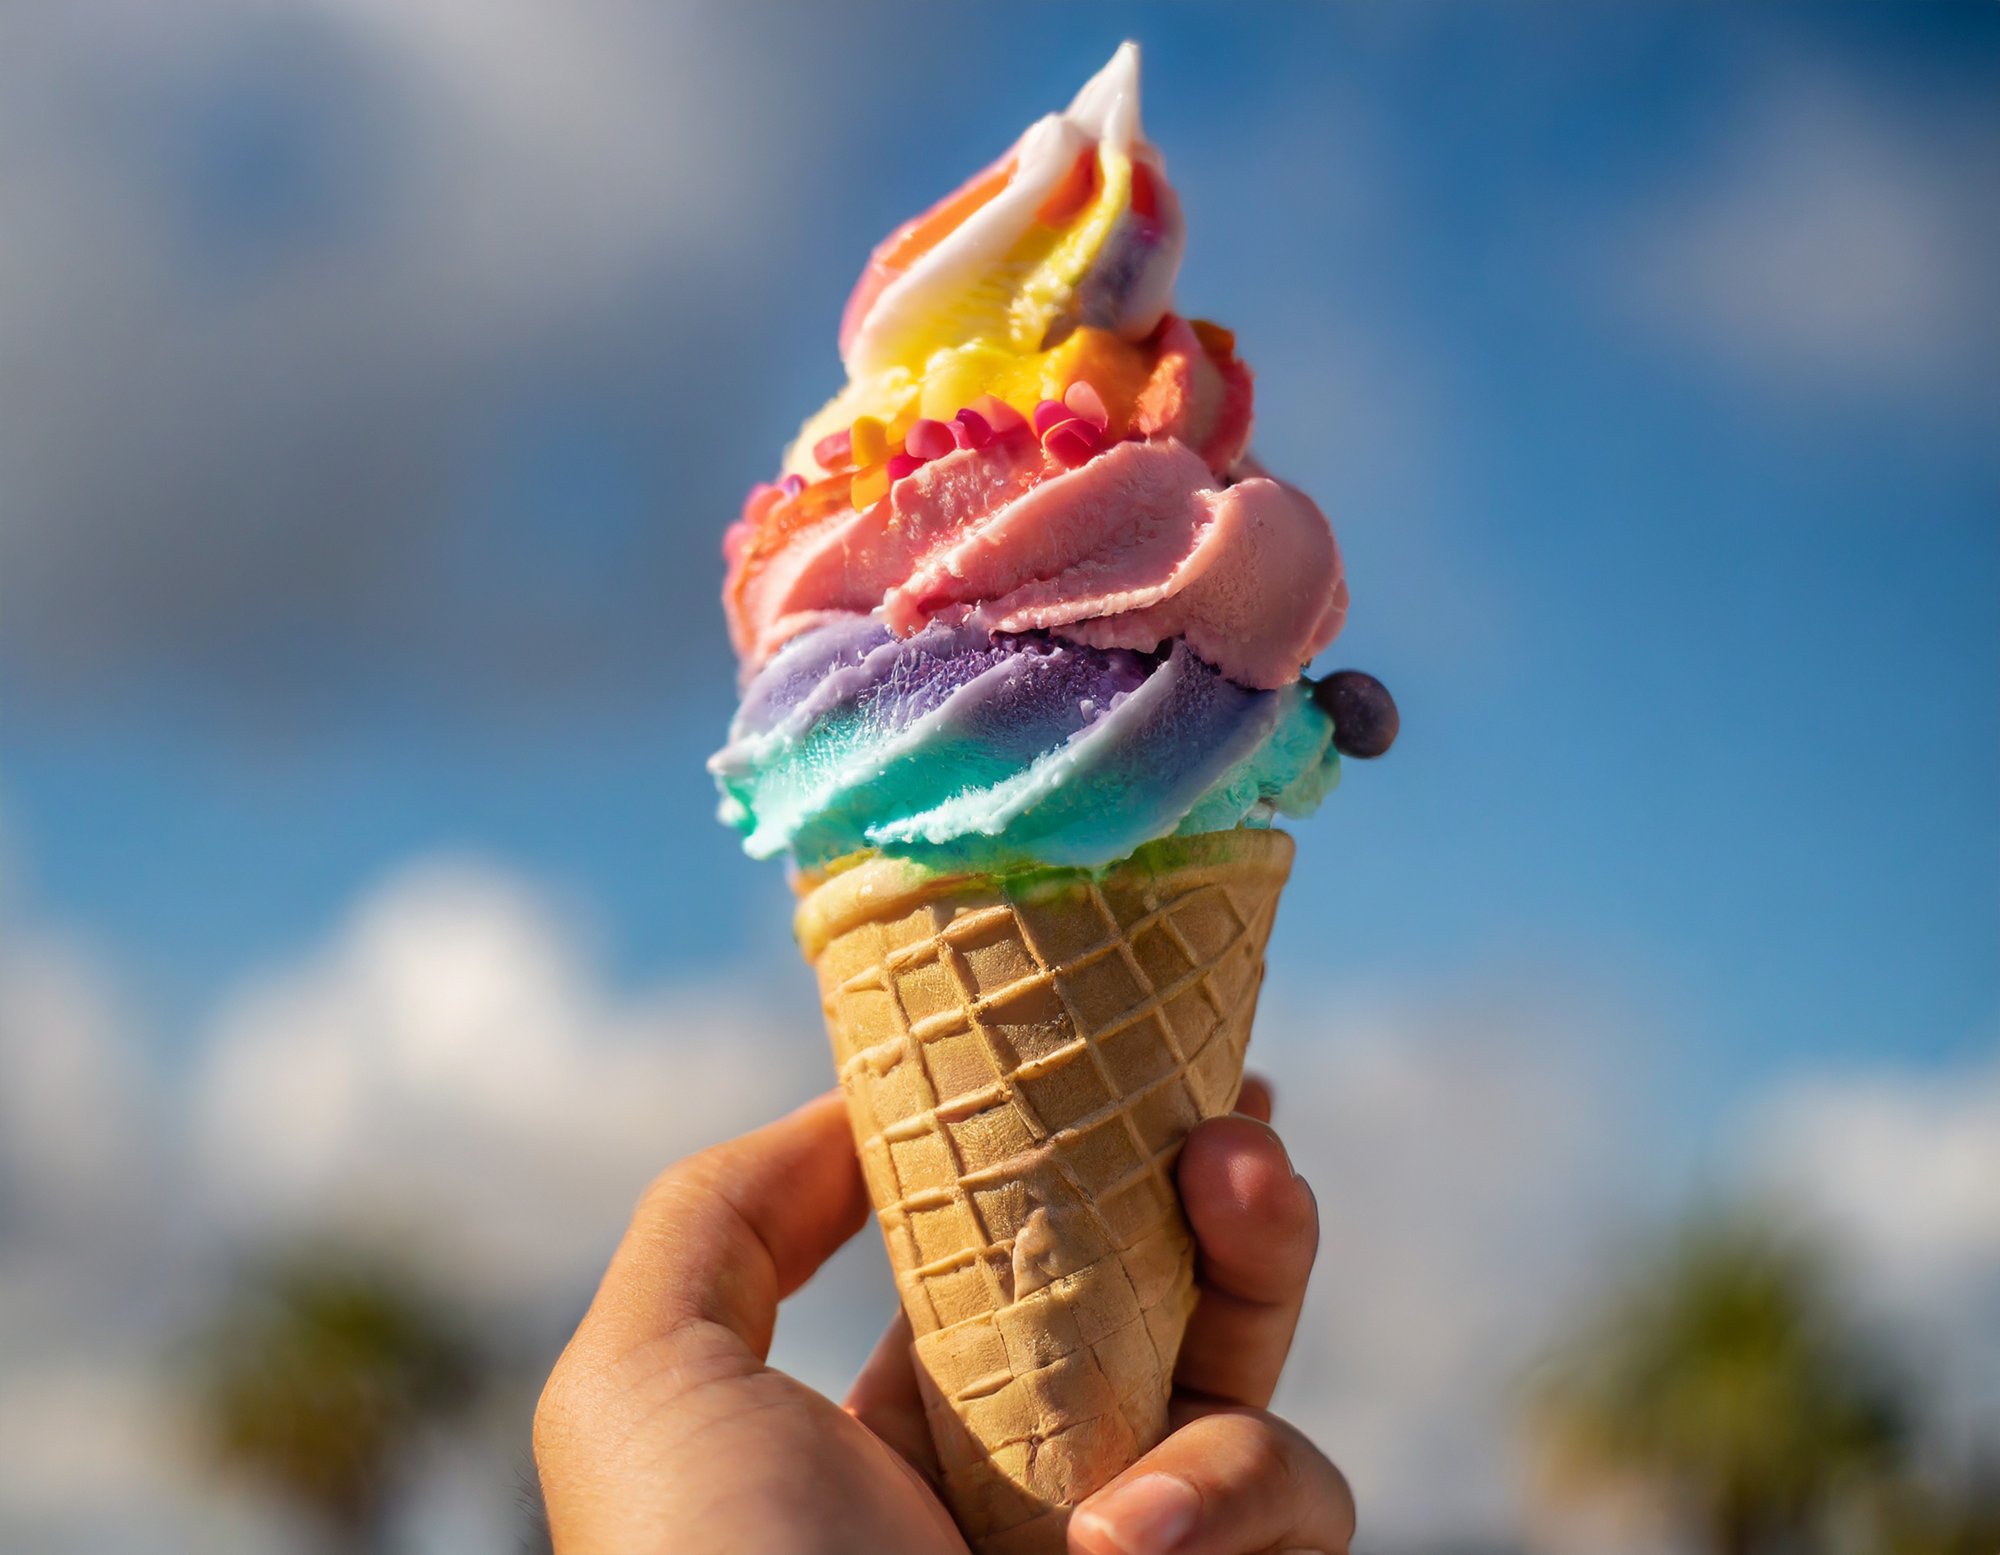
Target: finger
[
  {"x": 1256, "y": 1230},
  {"x": 886, "y": 1399},
  {"x": 725, "y": 1235},
  {"x": 1255, "y": 1099},
  {"x": 1227, "y": 1484}
]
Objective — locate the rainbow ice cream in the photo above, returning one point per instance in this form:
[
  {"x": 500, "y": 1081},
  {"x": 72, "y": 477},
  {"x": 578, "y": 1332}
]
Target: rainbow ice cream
[
  {"x": 1023, "y": 629},
  {"x": 1020, "y": 594}
]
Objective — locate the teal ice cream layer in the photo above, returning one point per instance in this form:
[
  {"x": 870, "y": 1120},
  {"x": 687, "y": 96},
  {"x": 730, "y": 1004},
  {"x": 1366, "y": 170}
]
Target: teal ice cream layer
[{"x": 975, "y": 751}]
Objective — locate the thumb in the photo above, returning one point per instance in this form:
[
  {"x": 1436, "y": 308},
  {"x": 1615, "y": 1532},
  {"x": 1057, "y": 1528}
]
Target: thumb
[{"x": 725, "y": 1235}]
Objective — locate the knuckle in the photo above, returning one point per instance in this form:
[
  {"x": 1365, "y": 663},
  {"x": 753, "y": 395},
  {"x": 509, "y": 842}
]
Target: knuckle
[
  {"x": 665, "y": 1192},
  {"x": 1265, "y": 1462},
  {"x": 573, "y": 1399},
  {"x": 677, "y": 1202},
  {"x": 1264, "y": 1454},
  {"x": 556, "y": 1414},
  {"x": 1283, "y": 1461}
]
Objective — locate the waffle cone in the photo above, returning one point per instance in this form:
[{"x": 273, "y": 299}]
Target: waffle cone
[{"x": 1022, "y": 1058}]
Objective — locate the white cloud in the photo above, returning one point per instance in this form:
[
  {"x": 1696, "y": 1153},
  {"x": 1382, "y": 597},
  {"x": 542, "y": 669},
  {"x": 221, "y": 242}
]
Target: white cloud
[
  {"x": 451, "y": 1071},
  {"x": 75, "y": 1128},
  {"x": 1910, "y": 1164},
  {"x": 1828, "y": 242},
  {"x": 448, "y": 166},
  {"x": 1467, "y": 1155},
  {"x": 449, "y": 1080},
  {"x": 93, "y": 1455},
  {"x": 1902, "y": 1172},
  {"x": 270, "y": 267}
]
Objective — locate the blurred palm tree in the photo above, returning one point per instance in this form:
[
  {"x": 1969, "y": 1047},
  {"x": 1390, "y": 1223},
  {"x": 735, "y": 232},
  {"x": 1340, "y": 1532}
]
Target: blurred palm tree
[
  {"x": 320, "y": 1376},
  {"x": 1730, "y": 1385}
]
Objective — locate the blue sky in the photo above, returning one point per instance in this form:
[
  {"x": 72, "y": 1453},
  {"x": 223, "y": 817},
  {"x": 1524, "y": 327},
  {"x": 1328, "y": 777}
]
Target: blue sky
[
  {"x": 376, "y": 380},
  {"x": 1694, "y": 630}
]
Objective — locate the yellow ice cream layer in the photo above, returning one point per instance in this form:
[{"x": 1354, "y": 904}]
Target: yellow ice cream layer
[{"x": 989, "y": 340}]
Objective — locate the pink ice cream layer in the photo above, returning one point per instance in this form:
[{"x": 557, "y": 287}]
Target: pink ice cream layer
[{"x": 1140, "y": 545}]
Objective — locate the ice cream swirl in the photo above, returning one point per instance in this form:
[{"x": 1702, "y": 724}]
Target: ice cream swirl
[
  {"x": 992, "y": 752},
  {"x": 1037, "y": 472}
]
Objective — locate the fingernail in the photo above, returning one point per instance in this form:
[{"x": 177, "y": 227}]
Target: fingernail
[
  {"x": 1149, "y": 1516},
  {"x": 1284, "y": 1154},
  {"x": 1278, "y": 1140}
]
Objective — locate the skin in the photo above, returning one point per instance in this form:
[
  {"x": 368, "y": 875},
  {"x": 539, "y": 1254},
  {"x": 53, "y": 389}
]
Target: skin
[{"x": 662, "y": 1430}]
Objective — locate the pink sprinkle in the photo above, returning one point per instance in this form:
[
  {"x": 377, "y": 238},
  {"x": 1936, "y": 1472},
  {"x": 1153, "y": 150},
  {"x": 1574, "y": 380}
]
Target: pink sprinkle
[
  {"x": 792, "y": 484},
  {"x": 1087, "y": 403},
  {"x": 969, "y": 429},
  {"x": 1072, "y": 442},
  {"x": 835, "y": 451},
  {"x": 929, "y": 439},
  {"x": 1051, "y": 413},
  {"x": 1057, "y": 423},
  {"x": 904, "y": 464},
  {"x": 999, "y": 415}
]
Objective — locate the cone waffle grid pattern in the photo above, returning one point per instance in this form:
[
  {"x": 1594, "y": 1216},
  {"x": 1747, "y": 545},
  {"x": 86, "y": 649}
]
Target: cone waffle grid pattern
[{"x": 1022, "y": 1063}]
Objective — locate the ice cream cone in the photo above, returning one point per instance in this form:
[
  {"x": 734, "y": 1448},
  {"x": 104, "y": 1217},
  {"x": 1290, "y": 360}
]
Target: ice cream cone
[{"x": 1023, "y": 1057}]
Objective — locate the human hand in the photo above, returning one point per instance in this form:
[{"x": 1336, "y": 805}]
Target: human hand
[{"x": 662, "y": 1430}]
